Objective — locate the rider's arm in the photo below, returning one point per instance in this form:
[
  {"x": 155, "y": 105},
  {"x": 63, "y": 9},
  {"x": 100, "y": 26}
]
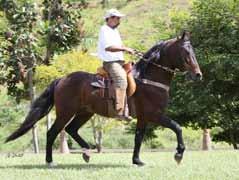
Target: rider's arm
[{"x": 119, "y": 48}]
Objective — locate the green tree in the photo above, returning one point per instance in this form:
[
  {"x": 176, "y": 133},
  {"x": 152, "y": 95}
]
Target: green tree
[
  {"x": 59, "y": 31},
  {"x": 63, "y": 27},
  {"x": 213, "y": 102}
]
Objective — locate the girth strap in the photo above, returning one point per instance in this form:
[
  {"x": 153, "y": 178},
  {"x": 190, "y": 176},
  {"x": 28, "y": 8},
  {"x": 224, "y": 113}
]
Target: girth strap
[{"x": 153, "y": 83}]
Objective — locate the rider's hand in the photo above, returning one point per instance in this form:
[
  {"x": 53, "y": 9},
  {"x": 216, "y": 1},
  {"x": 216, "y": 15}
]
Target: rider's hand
[{"x": 129, "y": 50}]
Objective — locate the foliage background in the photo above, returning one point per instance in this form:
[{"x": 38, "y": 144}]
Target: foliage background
[{"x": 211, "y": 103}]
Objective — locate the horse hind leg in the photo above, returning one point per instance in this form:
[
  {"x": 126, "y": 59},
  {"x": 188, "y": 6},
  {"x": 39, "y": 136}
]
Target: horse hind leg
[
  {"x": 52, "y": 133},
  {"x": 72, "y": 129}
]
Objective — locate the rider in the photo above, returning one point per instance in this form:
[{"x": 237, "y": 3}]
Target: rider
[{"x": 110, "y": 51}]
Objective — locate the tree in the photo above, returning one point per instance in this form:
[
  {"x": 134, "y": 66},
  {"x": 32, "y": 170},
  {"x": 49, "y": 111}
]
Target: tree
[
  {"x": 21, "y": 53},
  {"x": 213, "y": 102},
  {"x": 64, "y": 27},
  {"x": 97, "y": 123},
  {"x": 228, "y": 136},
  {"x": 104, "y": 3},
  {"x": 64, "y": 32}
]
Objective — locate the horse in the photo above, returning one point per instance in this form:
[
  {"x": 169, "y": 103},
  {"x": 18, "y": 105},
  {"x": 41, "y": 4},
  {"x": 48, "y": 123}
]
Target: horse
[{"x": 76, "y": 100}]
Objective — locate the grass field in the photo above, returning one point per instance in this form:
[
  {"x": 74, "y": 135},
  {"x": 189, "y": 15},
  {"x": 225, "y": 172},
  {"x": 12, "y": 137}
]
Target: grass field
[{"x": 197, "y": 165}]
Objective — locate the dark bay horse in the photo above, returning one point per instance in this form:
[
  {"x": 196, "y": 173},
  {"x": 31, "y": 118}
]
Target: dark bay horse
[{"x": 75, "y": 99}]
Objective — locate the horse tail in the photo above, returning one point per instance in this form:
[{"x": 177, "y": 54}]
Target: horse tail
[{"x": 40, "y": 107}]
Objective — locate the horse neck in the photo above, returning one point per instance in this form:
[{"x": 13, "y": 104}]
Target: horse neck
[{"x": 158, "y": 74}]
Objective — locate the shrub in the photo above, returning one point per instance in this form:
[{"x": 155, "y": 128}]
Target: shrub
[{"x": 65, "y": 64}]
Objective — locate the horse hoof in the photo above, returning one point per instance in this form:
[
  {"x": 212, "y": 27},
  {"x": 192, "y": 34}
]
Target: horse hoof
[
  {"x": 86, "y": 157},
  {"x": 138, "y": 162},
  {"x": 51, "y": 165},
  {"x": 178, "y": 157}
]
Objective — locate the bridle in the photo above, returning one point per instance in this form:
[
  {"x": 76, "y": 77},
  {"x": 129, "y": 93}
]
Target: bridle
[{"x": 140, "y": 55}]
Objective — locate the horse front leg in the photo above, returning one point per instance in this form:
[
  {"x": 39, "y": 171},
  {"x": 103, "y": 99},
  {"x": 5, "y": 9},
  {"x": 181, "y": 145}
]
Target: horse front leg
[
  {"x": 139, "y": 135},
  {"x": 171, "y": 124}
]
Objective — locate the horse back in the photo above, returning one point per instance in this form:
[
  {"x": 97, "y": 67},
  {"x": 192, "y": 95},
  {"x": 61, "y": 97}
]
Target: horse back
[{"x": 75, "y": 92}]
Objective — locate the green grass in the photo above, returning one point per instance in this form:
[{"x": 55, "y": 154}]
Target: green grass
[{"x": 160, "y": 165}]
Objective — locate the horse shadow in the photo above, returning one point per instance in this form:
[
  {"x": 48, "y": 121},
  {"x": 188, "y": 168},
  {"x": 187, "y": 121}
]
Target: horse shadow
[{"x": 64, "y": 166}]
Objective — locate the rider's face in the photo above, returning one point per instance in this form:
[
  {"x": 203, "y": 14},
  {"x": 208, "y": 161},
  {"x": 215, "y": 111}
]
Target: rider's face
[{"x": 113, "y": 21}]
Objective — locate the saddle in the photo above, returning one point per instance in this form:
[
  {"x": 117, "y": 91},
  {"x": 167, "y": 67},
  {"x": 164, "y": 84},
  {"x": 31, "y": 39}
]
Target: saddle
[
  {"x": 106, "y": 84},
  {"x": 105, "y": 87}
]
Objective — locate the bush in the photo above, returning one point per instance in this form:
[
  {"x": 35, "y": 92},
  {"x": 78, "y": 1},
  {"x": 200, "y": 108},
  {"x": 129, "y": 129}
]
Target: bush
[
  {"x": 215, "y": 25},
  {"x": 179, "y": 20},
  {"x": 11, "y": 115},
  {"x": 65, "y": 64}
]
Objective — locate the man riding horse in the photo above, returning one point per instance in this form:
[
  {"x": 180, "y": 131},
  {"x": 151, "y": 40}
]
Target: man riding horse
[
  {"x": 110, "y": 51},
  {"x": 76, "y": 100}
]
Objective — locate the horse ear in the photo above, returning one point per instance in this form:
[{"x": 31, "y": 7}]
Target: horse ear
[{"x": 186, "y": 35}]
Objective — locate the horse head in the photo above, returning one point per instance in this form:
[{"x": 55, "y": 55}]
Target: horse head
[
  {"x": 184, "y": 57},
  {"x": 172, "y": 55}
]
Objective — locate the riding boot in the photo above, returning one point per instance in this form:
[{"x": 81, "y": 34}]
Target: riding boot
[
  {"x": 120, "y": 104},
  {"x": 126, "y": 110}
]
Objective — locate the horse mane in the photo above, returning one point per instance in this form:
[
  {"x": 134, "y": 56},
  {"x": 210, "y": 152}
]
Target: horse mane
[{"x": 153, "y": 54}]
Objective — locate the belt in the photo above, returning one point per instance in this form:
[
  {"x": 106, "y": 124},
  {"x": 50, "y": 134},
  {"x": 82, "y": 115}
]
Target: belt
[{"x": 117, "y": 61}]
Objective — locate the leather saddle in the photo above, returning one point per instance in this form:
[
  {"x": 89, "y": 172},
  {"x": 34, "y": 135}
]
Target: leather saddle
[{"x": 105, "y": 84}]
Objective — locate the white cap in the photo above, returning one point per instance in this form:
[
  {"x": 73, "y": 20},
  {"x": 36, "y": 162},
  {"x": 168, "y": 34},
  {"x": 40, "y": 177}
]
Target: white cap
[{"x": 113, "y": 12}]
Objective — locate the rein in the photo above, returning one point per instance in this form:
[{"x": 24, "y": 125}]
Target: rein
[{"x": 140, "y": 55}]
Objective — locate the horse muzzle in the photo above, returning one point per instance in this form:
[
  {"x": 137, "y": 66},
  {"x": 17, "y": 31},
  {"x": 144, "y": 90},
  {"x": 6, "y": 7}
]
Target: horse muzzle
[{"x": 194, "y": 76}]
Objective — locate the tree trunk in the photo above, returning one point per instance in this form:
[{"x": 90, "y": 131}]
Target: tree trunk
[
  {"x": 96, "y": 123},
  {"x": 99, "y": 139},
  {"x": 232, "y": 139},
  {"x": 35, "y": 139},
  {"x": 206, "y": 141},
  {"x": 49, "y": 51},
  {"x": 63, "y": 143},
  {"x": 32, "y": 95},
  {"x": 235, "y": 146}
]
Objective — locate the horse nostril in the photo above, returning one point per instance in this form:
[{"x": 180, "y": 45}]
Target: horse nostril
[{"x": 199, "y": 76}]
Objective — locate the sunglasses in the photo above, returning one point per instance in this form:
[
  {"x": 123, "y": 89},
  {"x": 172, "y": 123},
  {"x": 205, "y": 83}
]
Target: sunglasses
[{"x": 115, "y": 17}]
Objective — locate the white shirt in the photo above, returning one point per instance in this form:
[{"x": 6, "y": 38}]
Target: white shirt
[{"x": 109, "y": 37}]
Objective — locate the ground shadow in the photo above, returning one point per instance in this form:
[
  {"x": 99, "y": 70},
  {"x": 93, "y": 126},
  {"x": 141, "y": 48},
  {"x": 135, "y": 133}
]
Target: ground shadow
[{"x": 65, "y": 166}]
